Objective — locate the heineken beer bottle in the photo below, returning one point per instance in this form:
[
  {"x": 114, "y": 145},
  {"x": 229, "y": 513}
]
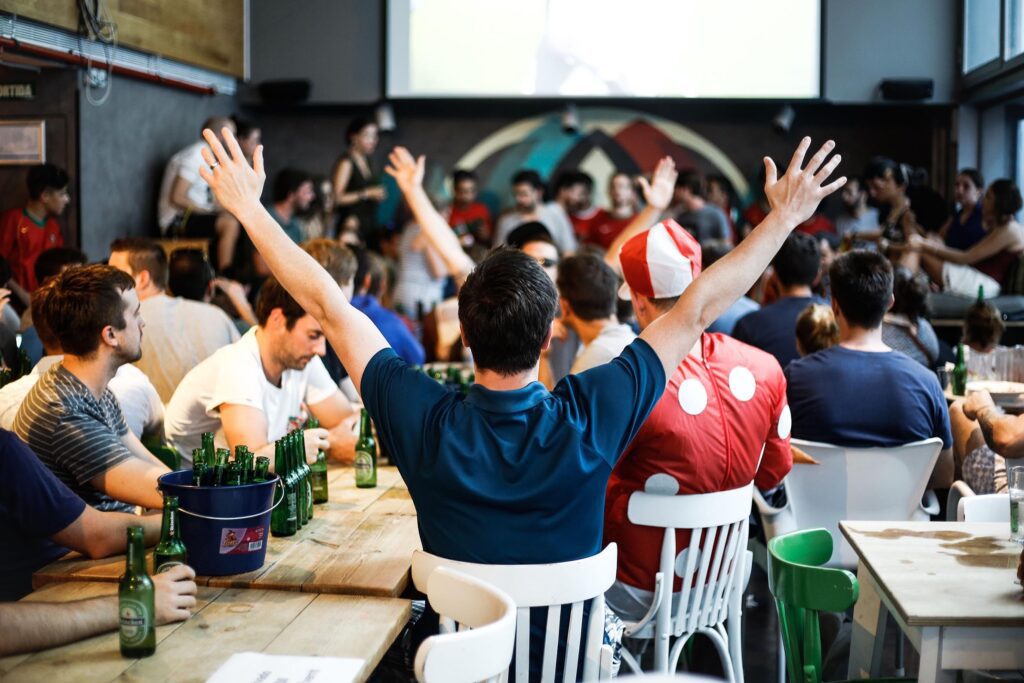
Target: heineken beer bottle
[
  {"x": 170, "y": 551},
  {"x": 366, "y": 454},
  {"x": 318, "y": 470},
  {"x": 135, "y": 601},
  {"x": 284, "y": 520}
]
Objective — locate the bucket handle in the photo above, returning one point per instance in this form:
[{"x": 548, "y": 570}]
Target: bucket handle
[{"x": 235, "y": 519}]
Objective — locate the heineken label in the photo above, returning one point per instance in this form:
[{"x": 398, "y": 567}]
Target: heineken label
[
  {"x": 135, "y": 622},
  {"x": 167, "y": 566},
  {"x": 293, "y": 506},
  {"x": 363, "y": 466}
]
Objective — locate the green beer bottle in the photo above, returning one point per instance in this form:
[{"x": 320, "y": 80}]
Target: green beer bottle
[
  {"x": 135, "y": 601},
  {"x": 233, "y": 474},
  {"x": 318, "y": 470},
  {"x": 199, "y": 468},
  {"x": 170, "y": 551},
  {"x": 366, "y": 454},
  {"x": 298, "y": 459},
  {"x": 240, "y": 452},
  {"x": 208, "y": 448},
  {"x": 262, "y": 472},
  {"x": 307, "y": 473},
  {"x": 220, "y": 466},
  {"x": 284, "y": 520},
  {"x": 958, "y": 378}
]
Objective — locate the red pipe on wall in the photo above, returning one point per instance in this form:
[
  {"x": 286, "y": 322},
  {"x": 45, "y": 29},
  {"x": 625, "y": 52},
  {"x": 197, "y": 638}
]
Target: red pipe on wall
[{"x": 78, "y": 60}]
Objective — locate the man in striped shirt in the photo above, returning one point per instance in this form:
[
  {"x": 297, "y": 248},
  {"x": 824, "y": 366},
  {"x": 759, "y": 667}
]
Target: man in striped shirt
[{"x": 70, "y": 418}]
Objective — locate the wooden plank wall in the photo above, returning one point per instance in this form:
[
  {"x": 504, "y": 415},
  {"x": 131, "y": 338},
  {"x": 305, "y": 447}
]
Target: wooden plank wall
[{"x": 205, "y": 33}]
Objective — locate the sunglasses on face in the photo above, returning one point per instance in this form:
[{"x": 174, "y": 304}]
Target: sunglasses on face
[{"x": 547, "y": 262}]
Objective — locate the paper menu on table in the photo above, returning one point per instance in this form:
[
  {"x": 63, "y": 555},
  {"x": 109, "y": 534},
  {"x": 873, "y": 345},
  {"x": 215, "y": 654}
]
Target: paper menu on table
[{"x": 256, "y": 667}]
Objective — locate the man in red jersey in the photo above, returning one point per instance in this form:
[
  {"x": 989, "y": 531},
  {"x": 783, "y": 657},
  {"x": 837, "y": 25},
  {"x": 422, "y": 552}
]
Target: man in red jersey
[
  {"x": 722, "y": 422},
  {"x": 26, "y": 232},
  {"x": 469, "y": 218}
]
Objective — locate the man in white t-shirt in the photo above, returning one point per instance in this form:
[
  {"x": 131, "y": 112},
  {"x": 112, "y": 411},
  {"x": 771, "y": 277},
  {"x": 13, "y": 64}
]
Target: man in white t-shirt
[
  {"x": 180, "y": 333},
  {"x": 528, "y": 192},
  {"x": 185, "y": 206},
  {"x": 267, "y": 383},
  {"x": 587, "y": 289}
]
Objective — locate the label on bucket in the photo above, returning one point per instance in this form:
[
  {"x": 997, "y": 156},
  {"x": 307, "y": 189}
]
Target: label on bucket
[{"x": 241, "y": 541}]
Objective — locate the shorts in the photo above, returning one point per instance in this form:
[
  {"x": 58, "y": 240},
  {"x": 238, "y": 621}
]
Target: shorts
[
  {"x": 984, "y": 471},
  {"x": 965, "y": 280},
  {"x": 199, "y": 225}
]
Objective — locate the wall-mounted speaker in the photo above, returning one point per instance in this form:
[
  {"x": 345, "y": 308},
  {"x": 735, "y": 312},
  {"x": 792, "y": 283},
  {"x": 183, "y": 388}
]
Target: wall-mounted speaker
[
  {"x": 907, "y": 89},
  {"x": 285, "y": 92}
]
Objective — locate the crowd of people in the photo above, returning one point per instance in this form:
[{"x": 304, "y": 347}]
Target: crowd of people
[{"x": 671, "y": 342}]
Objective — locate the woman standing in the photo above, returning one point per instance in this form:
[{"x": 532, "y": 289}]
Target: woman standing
[{"x": 356, "y": 189}]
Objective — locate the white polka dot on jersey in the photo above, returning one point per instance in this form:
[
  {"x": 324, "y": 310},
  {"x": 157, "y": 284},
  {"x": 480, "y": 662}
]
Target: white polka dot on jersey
[
  {"x": 661, "y": 484},
  {"x": 785, "y": 423},
  {"x": 693, "y": 397},
  {"x": 741, "y": 383}
]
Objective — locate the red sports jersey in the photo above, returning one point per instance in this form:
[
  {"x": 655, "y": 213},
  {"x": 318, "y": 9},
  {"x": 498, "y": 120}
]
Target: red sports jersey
[
  {"x": 475, "y": 219},
  {"x": 706, "y": 434},
  {"x": 22, "y": 240},
  {"x": 583, "y": 224},
  {"x": 603, "y": 234}
]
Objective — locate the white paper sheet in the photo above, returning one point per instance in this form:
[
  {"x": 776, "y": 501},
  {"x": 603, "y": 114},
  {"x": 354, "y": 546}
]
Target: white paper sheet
[{"x": 256, "y": 667}]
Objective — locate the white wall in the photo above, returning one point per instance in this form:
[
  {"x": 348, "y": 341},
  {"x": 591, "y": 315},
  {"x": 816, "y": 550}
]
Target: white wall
[{"x": 870, "y": 40}]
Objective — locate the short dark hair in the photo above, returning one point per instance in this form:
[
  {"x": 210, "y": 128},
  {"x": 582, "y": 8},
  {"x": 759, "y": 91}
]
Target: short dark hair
[
  {"x": 881, "y": 167},
  {"x": 273, "y": 295},
  {"x": 861, "y": 282},
  {"x": 528, "y": 176},
  {"x": 189, "y": 274},
  {"x": 461, "y": 175},
  {"x": 798, "y": 261},
  {"x": 975, "y": 176},
  {"x": 82, "y": 302},
  {"x": 506, "y": 307},
  {"x": 910, "y": 291},
  {"x": 983, "y": 325},
  {"x": 572, "y": 177},
  {"x": 215, "y": 123},
  {"x": 287, "y": 181},
  {"x": 368, "y": 263},
  {"x": 531, "y": 231},
  {"x": 144, "y": 254},
  {"x": 243, "y": 127},
  {"x": 1007, "y": 198},
  {"x": 713, "y": 250},
  {"x": 693, "y": 181},
  {"x": 337, "y": 259},
  {"x": 589, "y": 285},
  {"x": 52, "y": 261},
  {"x": 38, "y": 305},
  {"x": 355, "y": 126},
  {"x": 45, "y": 177}
]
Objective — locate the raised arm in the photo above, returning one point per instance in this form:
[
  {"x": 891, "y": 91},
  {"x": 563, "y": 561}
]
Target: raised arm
[
  {"x": 793, "y": 199},
  {"x": 658, "y": 195},
  {"x": 237, "y": 187},
  {"x": 408, "y": 173}
]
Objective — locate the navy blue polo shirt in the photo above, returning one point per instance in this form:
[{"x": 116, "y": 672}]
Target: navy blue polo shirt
[
  {"x": 391, "y": 326},
  {"x": 773, "y": 328},
  {"x": 512, "y": 477},
  {"x": 34, "y": 505}
]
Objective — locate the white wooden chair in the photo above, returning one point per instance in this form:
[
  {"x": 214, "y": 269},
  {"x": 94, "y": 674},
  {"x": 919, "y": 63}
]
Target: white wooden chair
[
  {"x": 856, "y": 483},
  {"x": 714, "y": 570},
  {"x": 957, "y": 491},
  {"x": 482, "y": 647},
  {"x": 991, "y": 507},
  {"x": 547, "y": 586}
]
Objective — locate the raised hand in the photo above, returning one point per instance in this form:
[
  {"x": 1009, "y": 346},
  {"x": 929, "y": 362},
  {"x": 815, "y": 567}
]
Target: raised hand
[
  {"x": 798, "y": 192},
  {"x": 236, "y": 185},
  {"x": 405, "y": 169},
  {"x": 658, "y": 193}
]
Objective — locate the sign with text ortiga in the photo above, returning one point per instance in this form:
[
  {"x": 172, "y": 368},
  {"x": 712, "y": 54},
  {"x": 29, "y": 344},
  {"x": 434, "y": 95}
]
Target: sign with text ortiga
[{"x": 17, "y": 91}]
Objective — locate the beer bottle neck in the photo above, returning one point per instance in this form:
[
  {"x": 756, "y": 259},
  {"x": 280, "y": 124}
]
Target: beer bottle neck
[
  {"x": 169, "y": 528},
  {"x": 136, "y": 554},
  {"x": 365, "y": 426}
]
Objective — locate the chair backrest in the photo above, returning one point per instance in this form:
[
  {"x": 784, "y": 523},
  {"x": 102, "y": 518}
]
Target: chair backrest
[
  {"x": 859, "y": 484},
  {"x": 710, "y": 566},
  {"x": 546, "y": 586},
  {"x": 482, "y": 648},
  {"x": 992, "y": 507},
  {"x": 958, "y": 491},
  {"x": 802, "y": 588}
]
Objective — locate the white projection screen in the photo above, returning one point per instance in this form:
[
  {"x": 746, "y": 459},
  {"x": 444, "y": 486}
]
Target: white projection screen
[{"x": 760, "y": 49}]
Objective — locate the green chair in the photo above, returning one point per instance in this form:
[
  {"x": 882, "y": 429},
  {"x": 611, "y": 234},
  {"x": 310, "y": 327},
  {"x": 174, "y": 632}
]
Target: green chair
[{"x": 802, "y": 588}]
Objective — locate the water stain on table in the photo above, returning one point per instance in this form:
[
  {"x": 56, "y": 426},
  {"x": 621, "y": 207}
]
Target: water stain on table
[
  {"x": 893, "y": 534},
  {"x": 985, "y": 552}
]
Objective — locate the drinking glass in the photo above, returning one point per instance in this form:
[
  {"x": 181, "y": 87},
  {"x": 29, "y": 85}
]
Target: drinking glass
[{"x": 1015, "y": 478}]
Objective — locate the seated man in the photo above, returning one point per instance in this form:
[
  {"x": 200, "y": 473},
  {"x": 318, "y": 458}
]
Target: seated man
[
  {"x": 70, "y": 418},
  {"x": 773, "y": 328},
  {"x": 185, "y": 207},
  {"x": 721, "y": 423},
  {"x": 586, "y": 290},
  {"x": 143, "y": 411},
  {"x": 254, "y": 391},
  {"x": 488, "y": 469},
  {"x": 860, "y": 393},
  {"x": 190, "y": 276},
  {"x": 984, "y": 437},
  {"x": 369, "y": 279},
  {"x": 179, "y": 333}
]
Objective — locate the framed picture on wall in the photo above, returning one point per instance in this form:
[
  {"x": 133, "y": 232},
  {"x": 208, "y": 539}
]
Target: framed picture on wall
[{"x": 22, "y": 143}]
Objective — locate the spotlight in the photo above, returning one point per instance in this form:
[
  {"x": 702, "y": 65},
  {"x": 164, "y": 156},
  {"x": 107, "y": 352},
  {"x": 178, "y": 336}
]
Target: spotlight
[
  {"x": 385, "y": 117},
  {"x": 783, "y": 120},
  {"x": 570, "y": 119}
]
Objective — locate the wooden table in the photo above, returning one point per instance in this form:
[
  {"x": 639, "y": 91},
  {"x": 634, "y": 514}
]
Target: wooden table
[
  {"x": 951, "y": 587},
  {"x": 359, "y": 543},
  {"x": 225, "y": 622}
]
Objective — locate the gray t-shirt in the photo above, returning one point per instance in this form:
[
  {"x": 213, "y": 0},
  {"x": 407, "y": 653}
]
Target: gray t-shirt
[
  {"x": 705, "y": 224},
  {"x": 77, "y": 437}
]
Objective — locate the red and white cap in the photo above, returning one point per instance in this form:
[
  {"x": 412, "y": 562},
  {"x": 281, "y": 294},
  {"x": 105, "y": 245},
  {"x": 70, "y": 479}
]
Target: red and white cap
[{"x": 659, "y": 263}]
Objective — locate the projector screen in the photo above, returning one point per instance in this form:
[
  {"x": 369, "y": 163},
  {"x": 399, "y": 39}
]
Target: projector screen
[{"x": 604, "y": 48}]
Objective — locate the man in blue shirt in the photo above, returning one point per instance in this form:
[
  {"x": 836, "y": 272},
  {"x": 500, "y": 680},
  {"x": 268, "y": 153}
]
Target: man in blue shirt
[
  {"x": 773, "y": 328},
  {"x": 861, "y": 393},
  {"x": 369, "y": 281}
]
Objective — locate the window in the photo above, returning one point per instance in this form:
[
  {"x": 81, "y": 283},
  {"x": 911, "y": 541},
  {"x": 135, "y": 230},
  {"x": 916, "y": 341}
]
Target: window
[
  {"x": 1014, "y": 17},
  {"x": 981, "y": 32}
]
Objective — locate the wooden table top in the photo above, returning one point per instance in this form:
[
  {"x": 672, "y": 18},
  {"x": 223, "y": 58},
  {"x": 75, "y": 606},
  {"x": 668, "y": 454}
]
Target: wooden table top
[
  {"x": 943, "y": 573},
  {"x": 225, "y": 622},
  {"x": 359, "y": 543}
]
